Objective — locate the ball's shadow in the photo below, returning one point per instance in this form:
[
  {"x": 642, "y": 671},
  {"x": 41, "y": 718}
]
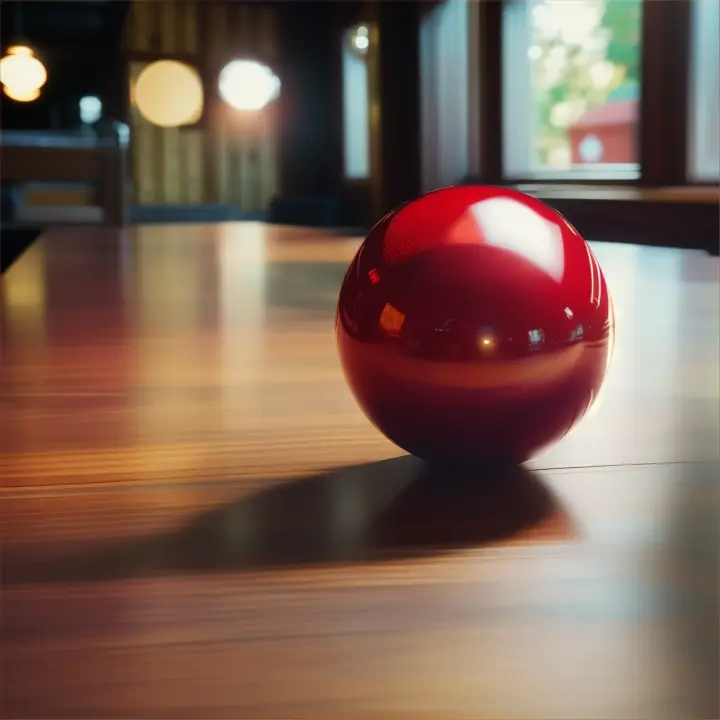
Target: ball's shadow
[{"x": 385, "y": 510}]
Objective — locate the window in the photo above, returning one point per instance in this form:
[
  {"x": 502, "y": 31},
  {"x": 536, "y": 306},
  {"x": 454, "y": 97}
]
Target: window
[
  {"x": 704, "y": 120},
  {"x": 356, "y": 103},
  {"x": 571, "y": 74}
]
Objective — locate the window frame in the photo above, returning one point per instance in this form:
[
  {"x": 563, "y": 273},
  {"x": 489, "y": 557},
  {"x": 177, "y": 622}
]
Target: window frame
[
  {"x": 516, "y": 26},
  {"x": 663, "y": 123}
]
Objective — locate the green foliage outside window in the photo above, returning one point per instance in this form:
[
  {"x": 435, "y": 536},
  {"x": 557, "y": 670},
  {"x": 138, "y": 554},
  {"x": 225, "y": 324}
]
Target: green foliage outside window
[{"x": 584, "y": 53}]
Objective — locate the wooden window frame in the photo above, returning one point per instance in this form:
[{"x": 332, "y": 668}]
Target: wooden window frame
[{"x": 663, "y": 127}]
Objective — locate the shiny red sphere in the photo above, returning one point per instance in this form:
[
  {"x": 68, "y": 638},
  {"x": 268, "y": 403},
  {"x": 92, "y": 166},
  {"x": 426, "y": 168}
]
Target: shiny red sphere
[{"x": 474, "y": 324}]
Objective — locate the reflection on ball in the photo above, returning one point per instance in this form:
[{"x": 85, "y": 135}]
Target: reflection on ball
[{"x": 474, "y": 324}]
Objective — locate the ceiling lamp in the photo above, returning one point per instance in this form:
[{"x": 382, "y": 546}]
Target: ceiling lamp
[
  {"x": 248, "y": 85},
  {"x": 361, "y": 39},
  {"x": 22, "y": 74},
  {"x": 169, "y": 94},
  {"x": 90, "y": 109}
]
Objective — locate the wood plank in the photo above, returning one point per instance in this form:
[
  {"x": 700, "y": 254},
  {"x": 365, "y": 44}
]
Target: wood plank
[
  {"x": 686, "y": 194},
  {"x": 60, "y": 196},
  {"x": 51, "y": 164},
  {"x": 198, "y": 521},
  {"x": 237, "y": 161}
]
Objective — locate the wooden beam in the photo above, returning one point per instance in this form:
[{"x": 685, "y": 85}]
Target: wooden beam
[{"x": 663, "y": 125}]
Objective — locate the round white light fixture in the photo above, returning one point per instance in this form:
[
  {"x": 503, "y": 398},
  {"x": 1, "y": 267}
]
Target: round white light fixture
[
  {"x": 169, "y": 94},
  {"x": 90, "y": 109},
  {"x": 361, "y": 39},
  {"x": 248, "y": 85},
  {"x": 22, "y": 74}
]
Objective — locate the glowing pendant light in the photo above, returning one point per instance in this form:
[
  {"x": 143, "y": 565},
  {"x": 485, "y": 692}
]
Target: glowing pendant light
[
  {"x": 168, "y": 93},
  {"x": 248, "y": 85},
  {"x": 22, "y": 74}
]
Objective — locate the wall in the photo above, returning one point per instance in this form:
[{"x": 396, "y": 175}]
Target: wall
[
  {"x": 311, "y": 135},
  {"x": 449, "y": 93},
  {"x": 398, "y": 102},
  {"x": 228, "y": 158}
]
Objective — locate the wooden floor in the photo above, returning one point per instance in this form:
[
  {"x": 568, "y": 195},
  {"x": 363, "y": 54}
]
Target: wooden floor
[{"x": 198, "y": 522}]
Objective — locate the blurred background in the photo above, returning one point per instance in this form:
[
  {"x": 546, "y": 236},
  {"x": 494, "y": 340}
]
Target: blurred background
[
  {"x": 329, "y": 114},
  {"x": 162, "y": 382}
]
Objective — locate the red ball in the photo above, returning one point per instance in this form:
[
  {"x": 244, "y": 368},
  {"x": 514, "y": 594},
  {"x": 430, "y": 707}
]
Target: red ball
[{"x": 474, "y": 324}]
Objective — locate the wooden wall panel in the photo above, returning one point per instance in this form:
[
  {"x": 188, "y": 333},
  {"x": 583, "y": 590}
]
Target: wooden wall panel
[
  {"x": 231, "y": 158},
  {"x": 193, "y": 143}
]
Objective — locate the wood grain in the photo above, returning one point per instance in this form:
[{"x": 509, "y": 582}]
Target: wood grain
[
  {"x": 169, "y": 164},
  {"x": 695, "y": 194},
  {"x": 199, "y": 523}
]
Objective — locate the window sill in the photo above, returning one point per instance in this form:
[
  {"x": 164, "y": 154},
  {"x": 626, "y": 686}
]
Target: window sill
[
  {"x": 606, "y": 173},
  {"x": 680, "y": 217},
  {"x": 689, "y": 194}
]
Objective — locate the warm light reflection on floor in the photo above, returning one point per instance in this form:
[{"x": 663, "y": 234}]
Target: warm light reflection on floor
[{"x": 24, "y": 297}]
